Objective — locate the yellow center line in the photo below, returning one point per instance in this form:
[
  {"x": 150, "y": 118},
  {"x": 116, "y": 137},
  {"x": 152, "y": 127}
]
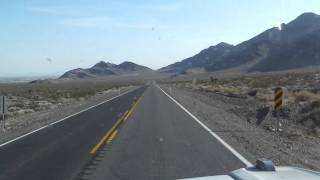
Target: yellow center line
[
  {"x": 114, "y": 127},
  {"x": 113, "y": 135},
  {"x": 131, "y": 110},
  {"x": 105, "y": 137}
]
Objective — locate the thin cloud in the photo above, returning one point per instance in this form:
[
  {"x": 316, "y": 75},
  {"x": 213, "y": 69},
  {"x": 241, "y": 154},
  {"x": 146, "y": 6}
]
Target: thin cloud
[
  {"x": 135, "y": 25},
  {"x": 105, "y": 22},
  {"x": 88, "y": 22},
  {"x": 49, "y": 10},
  {"x": 173, "y": 6}
]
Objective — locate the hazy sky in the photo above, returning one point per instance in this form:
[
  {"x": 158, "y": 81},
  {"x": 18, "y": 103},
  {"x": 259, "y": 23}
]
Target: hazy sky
[{"x": 40, "y": 37}]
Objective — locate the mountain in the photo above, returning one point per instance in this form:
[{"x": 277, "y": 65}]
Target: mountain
[
  {"x": 293, "y": 45},
  {"x": 127, "y": 67},
  {"x": 103, "y": 69},
  {"x": 201, "y": 60},
  {"x": 78, "y": 73}
]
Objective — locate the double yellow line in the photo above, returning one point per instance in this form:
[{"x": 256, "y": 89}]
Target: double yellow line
[
  {"x": 113, "y": 135},
  {"x": 113, "y": 131},
  {"x": 131, "y": 110}
]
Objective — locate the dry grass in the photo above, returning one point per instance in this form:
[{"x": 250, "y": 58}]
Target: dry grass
[
  {"x": 305, "y": 96},
  {"x": 301, "y": 93},
  {"x": 228, "y": 90},
  {"x": 26, "y": 98}
]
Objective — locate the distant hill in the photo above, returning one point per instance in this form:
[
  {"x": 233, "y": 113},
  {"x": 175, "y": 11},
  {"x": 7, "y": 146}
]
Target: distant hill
[
  {"x": 201, "y": 60},
  {"x": 103, "y": 69},
  {"x": 294, "y": 45}
]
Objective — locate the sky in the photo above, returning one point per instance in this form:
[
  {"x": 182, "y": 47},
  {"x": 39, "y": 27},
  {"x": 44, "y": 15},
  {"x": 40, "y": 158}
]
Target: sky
[{"x": 45, "y": 37}]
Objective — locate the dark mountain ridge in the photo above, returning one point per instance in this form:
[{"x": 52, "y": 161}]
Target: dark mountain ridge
[
  {"x": 293, "y": 45},
  {"x": 201, "y": 60},
  {"x": 102, "y": 69}
]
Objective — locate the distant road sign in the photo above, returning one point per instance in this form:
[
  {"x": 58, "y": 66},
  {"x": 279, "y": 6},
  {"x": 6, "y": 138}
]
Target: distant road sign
[
  {"x": 3, "y": 105},
  {"x": 278, "y": 96}
]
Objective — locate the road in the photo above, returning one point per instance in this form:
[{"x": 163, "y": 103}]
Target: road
[
  {"x": 60, "y": 151},
  {"x": 157, "y": 139}
]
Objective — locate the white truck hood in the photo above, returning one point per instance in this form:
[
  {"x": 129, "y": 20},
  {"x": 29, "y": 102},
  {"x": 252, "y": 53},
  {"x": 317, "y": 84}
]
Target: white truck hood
[{"x": 281, "y": 173}]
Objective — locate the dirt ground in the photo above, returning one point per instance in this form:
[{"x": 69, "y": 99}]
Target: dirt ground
[{"x": 234, "y": 119}]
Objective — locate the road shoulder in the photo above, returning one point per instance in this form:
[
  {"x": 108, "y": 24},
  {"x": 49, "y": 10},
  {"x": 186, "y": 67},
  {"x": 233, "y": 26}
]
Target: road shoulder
[{"x": 249, "y": 140}]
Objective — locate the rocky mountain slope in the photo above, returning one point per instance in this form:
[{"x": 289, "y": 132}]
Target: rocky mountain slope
[
  {"x": 201, "y": 60},
  {"x": 103, "y": 69},
  {"x": 293, "y": 45}
]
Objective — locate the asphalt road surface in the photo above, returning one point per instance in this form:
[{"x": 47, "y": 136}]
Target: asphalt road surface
[
  {"x": 60, "y": 151},
  {"x": 161, "y": 141},
  {"x": 150, "y": 137}
]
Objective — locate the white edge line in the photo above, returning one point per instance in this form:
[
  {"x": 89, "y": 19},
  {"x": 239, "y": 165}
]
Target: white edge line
[
  {"x": 233, "y": 151},
  {"x": 58, "y": 121}
]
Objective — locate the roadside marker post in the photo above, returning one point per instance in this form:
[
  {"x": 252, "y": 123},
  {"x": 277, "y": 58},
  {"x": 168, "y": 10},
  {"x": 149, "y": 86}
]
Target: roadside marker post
[
  {"x": 3, "y": 109},
  {"x": 194, "y": 83},
  {"x": 278, "y": 102},
  {"x": 213, "y": 81}
]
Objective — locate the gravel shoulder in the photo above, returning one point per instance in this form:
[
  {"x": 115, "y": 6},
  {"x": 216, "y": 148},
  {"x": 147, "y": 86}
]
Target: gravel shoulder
[
  {"x": 19, "y": 125},
  {"x": 233, "y": 120}
]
